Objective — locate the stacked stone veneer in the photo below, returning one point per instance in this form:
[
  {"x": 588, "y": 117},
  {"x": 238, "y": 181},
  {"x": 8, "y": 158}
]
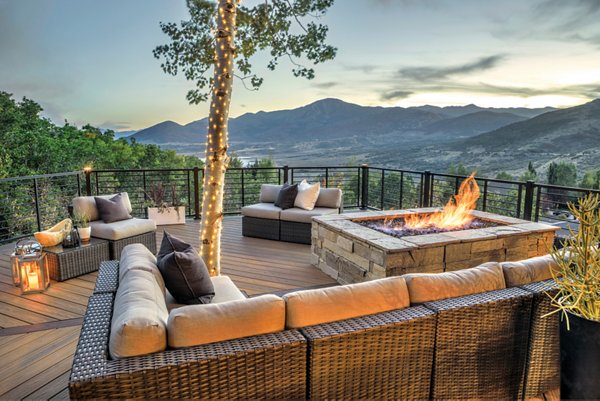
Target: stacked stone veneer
[{"x": 350, "y": 252}]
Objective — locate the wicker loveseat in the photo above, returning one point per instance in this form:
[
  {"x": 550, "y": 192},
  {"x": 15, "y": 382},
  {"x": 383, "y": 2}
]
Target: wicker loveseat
[
  {"x": 492, "y": 345},
  {"x": 120, "y": 233},
  {"x": 265, "y": 220}
]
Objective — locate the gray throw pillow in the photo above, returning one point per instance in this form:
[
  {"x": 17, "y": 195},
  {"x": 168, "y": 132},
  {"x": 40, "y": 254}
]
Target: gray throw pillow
[
  {"x": 287, "y": 196},
  {"x": 184, "y": 272},
  {"x": 113, "y": 209}
]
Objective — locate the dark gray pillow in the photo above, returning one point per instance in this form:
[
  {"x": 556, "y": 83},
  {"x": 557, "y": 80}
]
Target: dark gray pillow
[
  {"x": 113, "y": 209},
  {"x": 287, "y": 196},
  {"x": 185, "y": 274}
]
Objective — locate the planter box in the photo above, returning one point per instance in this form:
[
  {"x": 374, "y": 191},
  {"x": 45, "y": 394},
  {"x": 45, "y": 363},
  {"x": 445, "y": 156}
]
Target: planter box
[{"x": 169, "y": 215}]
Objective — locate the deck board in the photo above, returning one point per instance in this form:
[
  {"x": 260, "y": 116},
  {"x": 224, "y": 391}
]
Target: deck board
[{"x": 38, "y": 363}]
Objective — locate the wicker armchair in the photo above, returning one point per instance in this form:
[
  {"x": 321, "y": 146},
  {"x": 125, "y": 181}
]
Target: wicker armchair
[
  {"x": 481, "y": 345},
  {"x": 261, "y": 367},
  {"x": 383, "y": 356},
  {"x": 542, "y": 372},
  {"x": 118, "y": 234}
]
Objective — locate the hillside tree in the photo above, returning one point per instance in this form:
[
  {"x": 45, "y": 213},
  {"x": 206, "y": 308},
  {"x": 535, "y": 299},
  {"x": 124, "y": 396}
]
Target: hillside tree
[
  {"x": 222, "y": 36},
  {"x": 563, "y": 174},
  {"x": 530, "y": 174}
]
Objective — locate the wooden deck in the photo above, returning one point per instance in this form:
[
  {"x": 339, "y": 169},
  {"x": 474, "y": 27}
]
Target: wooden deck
[{"x": 39, "y": 332}]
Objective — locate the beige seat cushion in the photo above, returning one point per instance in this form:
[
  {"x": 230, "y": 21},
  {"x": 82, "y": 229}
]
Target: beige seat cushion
[
  {"x": 310, "y": 307},
  {"x": 269, "y": 193},
  {"x": 262, "y": 211},
  {"x": 305, "y": 216},
  {"x": 329, "y": 198},
  {"x": 138, "y": 257},
  {"x": 528, "y": 270},
  {"x": 426, "y": 287},
  {"x": 203, "y": 324},
  {"x": 87, "y": 205},
  {"x": 139, "y": 317},
  {"x": 225, "y": 291},
  {"x": 121, "y": 229}
]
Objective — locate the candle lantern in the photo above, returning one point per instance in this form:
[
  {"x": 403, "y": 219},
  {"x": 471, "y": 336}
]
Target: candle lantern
[{"x": 29, "y": 268}]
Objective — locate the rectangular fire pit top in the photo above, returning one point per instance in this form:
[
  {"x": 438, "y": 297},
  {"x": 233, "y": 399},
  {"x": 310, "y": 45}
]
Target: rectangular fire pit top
[
  {"x": 348, "y": 223},
  {"x": 351, "y": 252}
]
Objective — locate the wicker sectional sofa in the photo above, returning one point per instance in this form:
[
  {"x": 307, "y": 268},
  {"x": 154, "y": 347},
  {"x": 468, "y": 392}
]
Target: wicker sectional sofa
[
  {"x": 489, "y": 345},
  {"x": 265, "y": 220}
]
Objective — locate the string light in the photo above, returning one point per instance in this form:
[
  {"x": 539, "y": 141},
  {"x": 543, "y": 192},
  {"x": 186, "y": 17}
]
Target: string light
[{"x": 216, "y": 146}]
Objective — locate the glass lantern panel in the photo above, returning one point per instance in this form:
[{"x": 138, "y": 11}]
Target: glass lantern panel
[
  {"x": 33, "y": 278},
  {"x": 14, "y": 263}
]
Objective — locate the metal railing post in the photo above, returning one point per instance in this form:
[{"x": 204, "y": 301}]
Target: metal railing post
[
  {"x": 528, "y": 206},
  {"x": 381, "y": 195},
  {"x": 196, "y": 194},
  {"x": 426, "y": 198},
  {"x": 37, "y": 204},
  {"x": 243, "y": 188},
  {"x": 364, "y": 197},
  {"x": 88, "y": 181},
  {"x": 286, "y": 174}
]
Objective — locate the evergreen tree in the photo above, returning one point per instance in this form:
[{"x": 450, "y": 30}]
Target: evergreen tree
[{"x": 530, "y": 174}]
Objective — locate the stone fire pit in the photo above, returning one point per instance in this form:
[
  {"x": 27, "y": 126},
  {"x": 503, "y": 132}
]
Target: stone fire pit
[{"x": 350, "y": 252}]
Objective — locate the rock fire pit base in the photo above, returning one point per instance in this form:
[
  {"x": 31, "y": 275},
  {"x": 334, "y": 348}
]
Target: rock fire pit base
[{"x": 350, "y": 252}]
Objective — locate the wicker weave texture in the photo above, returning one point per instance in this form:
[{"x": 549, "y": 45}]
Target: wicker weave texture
[
  {"x": 147, "y": 239},
  {"x": 481, "y": 345},
  {"x": 260, "y": 228},
  {"x": 292, "y": 231},
  {"x": 78, "y": 261},
  {"x": 542, "y": 372},
  {"x": 383, "y": 356},
  {"x": 108, "y": 277},
  {"x": 271, "y": 366}
]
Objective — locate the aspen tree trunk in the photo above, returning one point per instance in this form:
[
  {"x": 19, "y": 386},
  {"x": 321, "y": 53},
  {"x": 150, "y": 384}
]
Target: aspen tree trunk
[{"x": 216, "y": 147}]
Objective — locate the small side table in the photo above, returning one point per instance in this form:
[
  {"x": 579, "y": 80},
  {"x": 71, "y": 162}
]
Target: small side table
[{"x": 66, "y": 263}]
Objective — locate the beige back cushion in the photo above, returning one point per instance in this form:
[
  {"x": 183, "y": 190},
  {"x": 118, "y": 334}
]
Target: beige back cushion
[
  {"x": 310, "y": 307},
  {"x": 138, "y": 257},
  {"x": 87, "y": 205},
  {"x": 329, "y": 197},
  {"x": 269, "y": 192},
  {"x": 139, "y": 317},
  {"x": 307, "y": 195},
  {"x": 203, "y": 324},
  {"x": 426, "y": 287},
  {"x": 528, "y": 270}
]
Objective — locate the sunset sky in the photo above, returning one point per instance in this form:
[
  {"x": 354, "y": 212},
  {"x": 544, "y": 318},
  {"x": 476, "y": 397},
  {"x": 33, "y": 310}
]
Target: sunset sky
[{"x": 90, "y": 61}]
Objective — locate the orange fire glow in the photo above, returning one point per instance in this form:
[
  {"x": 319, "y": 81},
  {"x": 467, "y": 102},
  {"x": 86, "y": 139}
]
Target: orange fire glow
[{"x": 455, "y": 214}]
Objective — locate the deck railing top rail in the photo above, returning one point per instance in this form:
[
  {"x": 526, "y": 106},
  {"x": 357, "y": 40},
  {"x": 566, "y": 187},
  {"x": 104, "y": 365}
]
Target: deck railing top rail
[{"x": 32, "y": 203}]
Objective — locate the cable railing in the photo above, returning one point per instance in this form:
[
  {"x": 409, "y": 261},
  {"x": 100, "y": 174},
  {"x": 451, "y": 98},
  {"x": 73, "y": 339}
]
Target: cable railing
[{"x": 34, "y": 203}]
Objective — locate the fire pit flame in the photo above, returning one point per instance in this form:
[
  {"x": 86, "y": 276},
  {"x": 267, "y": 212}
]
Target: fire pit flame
[{"x": 455, "y": 214}]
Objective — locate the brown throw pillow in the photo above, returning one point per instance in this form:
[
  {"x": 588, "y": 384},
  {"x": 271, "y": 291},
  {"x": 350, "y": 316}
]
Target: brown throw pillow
[
  {"x": 113, "y": 209},
  {"x": 184, "y": 272},
  {"x": 287, "y": 196}
]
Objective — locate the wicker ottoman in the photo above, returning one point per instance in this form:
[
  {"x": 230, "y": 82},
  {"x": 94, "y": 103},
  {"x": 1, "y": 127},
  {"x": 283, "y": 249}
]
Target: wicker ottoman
[{"x": 66, "y": 263}]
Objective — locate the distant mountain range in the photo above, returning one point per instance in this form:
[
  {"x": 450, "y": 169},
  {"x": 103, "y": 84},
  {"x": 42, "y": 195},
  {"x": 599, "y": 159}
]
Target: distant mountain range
[{"x": 332, "y": 131}]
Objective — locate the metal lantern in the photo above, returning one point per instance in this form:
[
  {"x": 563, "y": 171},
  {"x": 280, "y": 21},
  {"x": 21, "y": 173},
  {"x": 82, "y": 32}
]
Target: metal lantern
[{"x": 29, "y": 267}]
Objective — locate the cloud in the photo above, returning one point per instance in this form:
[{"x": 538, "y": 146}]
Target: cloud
[
  {"x": 590, "y": 90},
  {"x": 365, "y": 68},
  {"x": 572, "y": 21},
  {"x": 325, "y": 85},
  {"x": 427, "y": 73},
  {"x": 592, "y": 40},
  {"x": 395, "y": 95},
  {"x": 116, "y": 125},
  {"x": 573, "y": 13}
]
